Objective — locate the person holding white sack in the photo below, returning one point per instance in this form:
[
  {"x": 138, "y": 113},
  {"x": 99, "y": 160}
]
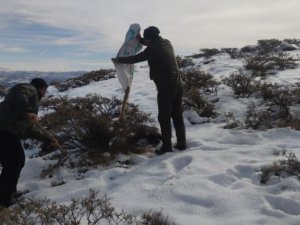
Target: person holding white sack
[{"x": 164, "y": 72}]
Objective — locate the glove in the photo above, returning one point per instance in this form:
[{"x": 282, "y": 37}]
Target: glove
[{"x": 115, "y": 60}]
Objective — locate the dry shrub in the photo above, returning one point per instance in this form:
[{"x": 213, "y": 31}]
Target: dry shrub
[
  {"x": 183, "y": 62},
  {"x": 232, "y": 122},
  {"x": 209, "y": 52},
  {"x": 89, "y": 126},
  {"x": 242, "y": 84},
  {"x": 196, "y": 84},
  {"x": 279, "y": 95},
  {"x": 293, "y": 41},
  {"x": 258, "y": 64},
  {"x": 268, "y": 45},
  {"x": 197, "y": 79},
  {"x": 91, "y": 210},
  {"x": 155, "y": 218},
  {"x": 288, "y": 166},
  {"x": 234, "y": 53},
  {"x": 195, "y": 101},
  {"x": 269, "y": 58},
  {"x": 257, "y": 119}
]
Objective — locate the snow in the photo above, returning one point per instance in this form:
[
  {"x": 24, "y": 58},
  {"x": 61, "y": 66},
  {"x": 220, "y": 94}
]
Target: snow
[{"x": 216, "y": 181}]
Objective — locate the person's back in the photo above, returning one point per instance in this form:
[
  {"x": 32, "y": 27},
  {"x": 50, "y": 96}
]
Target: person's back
[
  {"x": 21, "y": 99},
  {"x": 162, "y": 61}
]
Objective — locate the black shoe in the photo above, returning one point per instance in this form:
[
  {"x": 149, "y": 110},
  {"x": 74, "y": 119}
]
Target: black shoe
[
  {"x": 163, "y": 150},
  {"x": 180, "y": 147}
]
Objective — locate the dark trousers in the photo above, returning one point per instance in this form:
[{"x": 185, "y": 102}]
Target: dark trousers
[
  {"x": 169, "y": 100},
  {"x": 12, "y": 159}
]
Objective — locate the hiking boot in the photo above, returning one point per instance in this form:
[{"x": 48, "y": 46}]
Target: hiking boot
[
  {"x": 180, "y": 147},
  {"x": 163, "y": 150}
]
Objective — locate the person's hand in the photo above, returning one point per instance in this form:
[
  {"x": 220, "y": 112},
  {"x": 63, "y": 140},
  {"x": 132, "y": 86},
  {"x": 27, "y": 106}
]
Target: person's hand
[
  {"x": 115, "y": 60},
  {"x": 54, "y": 142},
  {"x": 33, "y": 117},
  {"x": 138, "y": 36}
]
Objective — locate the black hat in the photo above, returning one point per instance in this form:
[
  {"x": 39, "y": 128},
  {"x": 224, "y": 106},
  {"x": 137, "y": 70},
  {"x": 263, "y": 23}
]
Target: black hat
[
  {"x": 39, "y": 83},
  {"x": 151, "y": 33}
]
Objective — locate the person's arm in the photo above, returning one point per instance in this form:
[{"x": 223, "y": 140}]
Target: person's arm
[{"x": 143, "y": 56}]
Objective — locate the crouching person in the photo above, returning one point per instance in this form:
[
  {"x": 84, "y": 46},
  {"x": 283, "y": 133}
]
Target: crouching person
[{"x": 18, "y": 118}]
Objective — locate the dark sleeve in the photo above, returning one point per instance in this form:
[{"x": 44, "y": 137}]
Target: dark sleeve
[
  {"x": 21, "y": 100},
  {"x": 143, "y": 56},
  {"x": 36, "y": 133}
]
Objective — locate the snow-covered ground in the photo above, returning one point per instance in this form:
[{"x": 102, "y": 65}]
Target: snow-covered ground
[{"x": 216, "y": 181}]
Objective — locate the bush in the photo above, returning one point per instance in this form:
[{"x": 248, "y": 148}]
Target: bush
[
  {"x": 243, "y": 85},
  {"x": 284, "y": 61},
  {"x": 183, "y": 62},
  {"x": 289, "y": 166},
  {"x": 293, "y": 41},
  {"x": 194, "y": 101},
  {"x": 90, "y": 127},
  {"x": 209, "y": 52},
  {"x": 268, "y": 45},
  {"x": 258, "y": 64},
  {"x": 232, "y": 122},
  {"x": 277, "y": 94},
  {"x": 91, "y": 210},
  {"x": 232, "y": 52},
  {"x": 197, "y": 79},
  {"x": 257, "y": 119},
  {"x": 266, "y": 62},
  {"x": 85, "y": 79}
]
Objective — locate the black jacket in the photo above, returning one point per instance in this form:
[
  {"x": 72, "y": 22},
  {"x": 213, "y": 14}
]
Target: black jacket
[
  {"x": 20, "y": 100},
  {"x": 161, "y": 59}
]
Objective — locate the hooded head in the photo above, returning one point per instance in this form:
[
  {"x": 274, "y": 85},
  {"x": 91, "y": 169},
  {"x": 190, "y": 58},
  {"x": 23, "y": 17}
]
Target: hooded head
[
  {"x": 40, "y": 85},
  {"x": 151, "y": 33}
]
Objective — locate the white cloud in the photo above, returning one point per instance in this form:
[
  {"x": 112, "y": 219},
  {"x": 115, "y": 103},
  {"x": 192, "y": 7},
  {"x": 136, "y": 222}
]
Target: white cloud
[{"x": 100, "y": 25}]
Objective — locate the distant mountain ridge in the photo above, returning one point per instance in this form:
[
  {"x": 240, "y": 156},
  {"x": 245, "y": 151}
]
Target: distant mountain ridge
[{"x": 9, "y": 78}]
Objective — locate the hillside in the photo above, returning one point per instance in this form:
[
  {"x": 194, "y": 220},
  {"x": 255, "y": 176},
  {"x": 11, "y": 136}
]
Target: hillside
[{"x": 222, "y": 177}]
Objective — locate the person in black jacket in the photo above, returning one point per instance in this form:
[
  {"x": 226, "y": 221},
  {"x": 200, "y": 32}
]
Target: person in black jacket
[
  {"x": 18, "y": 117},
  {"x": 165, "y": 74}
]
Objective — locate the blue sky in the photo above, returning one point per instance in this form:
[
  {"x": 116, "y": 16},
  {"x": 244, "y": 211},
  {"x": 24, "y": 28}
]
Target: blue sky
[{"x": 64, "y": 35}]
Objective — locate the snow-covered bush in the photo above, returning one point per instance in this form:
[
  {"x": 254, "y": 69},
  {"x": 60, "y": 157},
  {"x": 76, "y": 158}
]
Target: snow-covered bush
[
  {"x": 289, "y": 165},
  {"x": 257, "y": 119},
  {"x": 234, "y": 53}
]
